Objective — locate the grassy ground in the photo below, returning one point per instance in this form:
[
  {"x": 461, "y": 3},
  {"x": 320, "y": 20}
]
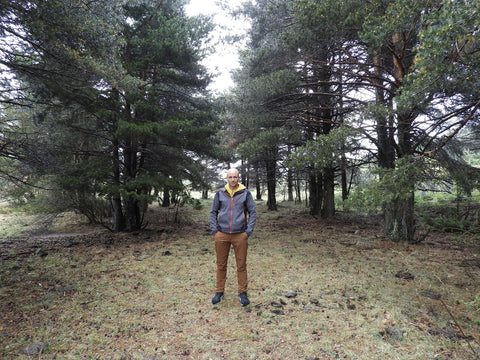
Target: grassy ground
[{"x": 318, "y": 289}]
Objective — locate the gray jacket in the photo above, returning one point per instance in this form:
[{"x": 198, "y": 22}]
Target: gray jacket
[{"x": 229, "y": 214}]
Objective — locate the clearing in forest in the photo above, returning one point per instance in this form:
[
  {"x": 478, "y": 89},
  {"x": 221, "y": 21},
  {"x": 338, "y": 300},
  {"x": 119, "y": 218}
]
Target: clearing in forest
[{"x": 319, "y": 289}]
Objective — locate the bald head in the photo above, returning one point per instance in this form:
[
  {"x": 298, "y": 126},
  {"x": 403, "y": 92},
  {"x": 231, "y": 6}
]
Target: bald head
[{"x": 233, "y": 178}]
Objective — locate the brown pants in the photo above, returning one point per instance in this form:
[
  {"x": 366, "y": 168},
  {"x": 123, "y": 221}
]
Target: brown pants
[{"x": 223, "y": 242}]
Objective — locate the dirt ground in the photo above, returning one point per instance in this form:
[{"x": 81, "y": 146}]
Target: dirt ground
[{"x": 371, "y": 298}]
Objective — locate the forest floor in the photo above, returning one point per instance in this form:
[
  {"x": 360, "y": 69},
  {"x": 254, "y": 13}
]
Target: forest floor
[{"x": 319, "y": 289}]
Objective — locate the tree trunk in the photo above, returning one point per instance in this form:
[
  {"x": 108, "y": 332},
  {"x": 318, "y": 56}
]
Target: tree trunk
[
  {"x": 133, "y": 218},
  {"x": 385, "y": 145},
  {"x": 289, "y": 185},
  {"x": 344, "y": 184},
  {"x": 258, "y": 187},
  {"x": 132, "y": 214},
  {"x": 399, "y": 223},
  {"x": 118, "y": 219},
  {"x": 271, "y": 167},
  {"x": 399, "y": 220},
  {"x": 258, "y": 191},
  {"x": 324, "y": 114},
  {"x": 298, "y": 191},
  {"x": 343, "y": 169},
  {"x": 166, "y": 197},
  {"x": 315, "y": 193},
  {"x": 290, "y": 177},
  {"x": 328, "y": 206}
]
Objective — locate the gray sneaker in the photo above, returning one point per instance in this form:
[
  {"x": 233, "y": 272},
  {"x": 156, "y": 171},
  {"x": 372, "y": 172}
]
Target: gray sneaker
[
  {"x": 244, "y": 299},
  {"x": 217, "y": 298}
]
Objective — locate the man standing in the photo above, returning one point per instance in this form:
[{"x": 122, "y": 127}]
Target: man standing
[{"x": 231, "y": 226}]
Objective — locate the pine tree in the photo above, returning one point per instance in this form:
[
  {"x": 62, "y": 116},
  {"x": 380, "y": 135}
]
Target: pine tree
[{"x": 119, "y": 95}]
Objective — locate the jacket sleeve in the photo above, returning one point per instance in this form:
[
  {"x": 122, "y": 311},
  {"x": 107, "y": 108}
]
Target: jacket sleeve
[
  {"x": 252, "y": 214},
  {"x": 214, "y": 214}
]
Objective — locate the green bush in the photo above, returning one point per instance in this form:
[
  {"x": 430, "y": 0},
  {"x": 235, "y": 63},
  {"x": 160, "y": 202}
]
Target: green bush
[
  {"x": 450, "y": 224},
  {"x": 448, "y": 219}
]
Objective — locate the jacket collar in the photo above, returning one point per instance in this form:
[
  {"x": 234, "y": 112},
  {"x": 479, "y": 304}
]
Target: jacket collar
[{"x": 233, "y": 192}]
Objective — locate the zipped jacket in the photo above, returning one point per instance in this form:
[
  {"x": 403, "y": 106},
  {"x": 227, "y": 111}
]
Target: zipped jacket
[{"x": 233, "y": 214}]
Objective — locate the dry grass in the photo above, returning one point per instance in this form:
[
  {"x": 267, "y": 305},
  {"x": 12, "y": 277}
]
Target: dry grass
[
  {"x": 147, "y": 295},
  {"x": 14, "y": 222}
]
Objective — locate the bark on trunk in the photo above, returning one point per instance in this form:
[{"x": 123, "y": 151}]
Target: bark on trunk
[
  {"x": 290, "y": 185},
  {"x": 344, "y": 181},
  {"x": 271, "y": 166},
  {"x": 399, "y": 221},
  {"x": 328, "y": 206},
  {"x": 258, "y": 187},
  {"x": 315, "y": 193},
  {"x": 298, "y": 191},
  {"x": 132, "y": 215},
  {"x": 399, "y": 224},
  {"x": 118, "y": 219},
  {"x": 166, "y": 197},
  {"x": 386, "y": 145}
]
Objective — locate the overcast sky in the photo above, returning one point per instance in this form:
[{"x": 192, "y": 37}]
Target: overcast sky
[{"x": 225, "y": 58}]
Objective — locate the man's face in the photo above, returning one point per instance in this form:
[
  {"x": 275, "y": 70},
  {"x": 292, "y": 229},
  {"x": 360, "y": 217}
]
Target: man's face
[{"x": 232, "y": 178}]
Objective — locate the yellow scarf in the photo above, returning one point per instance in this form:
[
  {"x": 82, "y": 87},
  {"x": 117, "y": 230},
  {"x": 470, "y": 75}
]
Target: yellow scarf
[{"x": 232, "y": 192}]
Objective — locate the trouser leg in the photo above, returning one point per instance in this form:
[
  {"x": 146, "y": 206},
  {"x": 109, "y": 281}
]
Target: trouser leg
[
  {"x": 240, "y": 245},
  {"x": 222, "y": 249}
]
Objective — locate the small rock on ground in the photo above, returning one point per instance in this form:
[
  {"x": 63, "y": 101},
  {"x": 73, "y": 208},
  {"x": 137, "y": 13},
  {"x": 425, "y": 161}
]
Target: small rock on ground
[{"x": 34, "y": 349}]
